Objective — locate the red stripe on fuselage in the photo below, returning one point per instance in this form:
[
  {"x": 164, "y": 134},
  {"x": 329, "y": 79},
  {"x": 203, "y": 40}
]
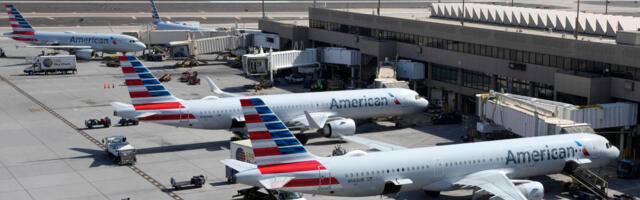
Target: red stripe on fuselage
[
  {"x": 161, "y": 117},
  {"x": 259, "y": 135},
  {"x": 312, "y": 182},
  {"x": 16, "y": 26},
  {"x": 24, "y": 39},
  {"x": 252, "y": 118},
  {"x": 134, "y": 82},
  {"x": 268, "y": 151},
  {"x": 23, "y": 32},
  {"x": 291, "y": 167},
  {"x": 158, "y": 106},
  {"x": 246, "y": 102}
]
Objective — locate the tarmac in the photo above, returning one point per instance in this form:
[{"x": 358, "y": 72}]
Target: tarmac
[{"x": 46, "y": 153}]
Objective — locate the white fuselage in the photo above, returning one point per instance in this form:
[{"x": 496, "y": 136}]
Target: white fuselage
[
  {"x": 110, "y": 43},
  {"x": 176, "y": 26},
  {"x": 432, "y": 168},
  {"x": 218, "y": 113}
]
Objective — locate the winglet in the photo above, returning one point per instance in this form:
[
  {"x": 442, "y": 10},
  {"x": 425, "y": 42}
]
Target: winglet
[
  {"x": 318, "y": 122},
  {"x": 215, "y": 89}
]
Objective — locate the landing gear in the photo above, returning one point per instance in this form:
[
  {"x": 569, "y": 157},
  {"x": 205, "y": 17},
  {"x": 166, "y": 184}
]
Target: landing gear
[
  {"x": 434, "y": 194},
  {"x": 302, "y": 138}
]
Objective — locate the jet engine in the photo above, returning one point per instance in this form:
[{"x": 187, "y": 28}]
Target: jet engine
[
  {"x": 335, "y": 128},
  {"x": 84, "y": 54},
  {"x": 533, "y": 190}
]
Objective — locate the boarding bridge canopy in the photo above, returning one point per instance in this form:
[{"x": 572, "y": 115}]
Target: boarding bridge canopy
[{"x": 588, "y": 23}]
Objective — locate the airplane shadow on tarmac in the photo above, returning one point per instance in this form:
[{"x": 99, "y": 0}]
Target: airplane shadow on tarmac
[{"x": 100, "y": 157}]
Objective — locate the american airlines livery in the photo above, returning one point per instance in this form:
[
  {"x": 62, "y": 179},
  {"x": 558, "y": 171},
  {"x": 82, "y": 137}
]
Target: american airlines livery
[
  {"x": 331, "y": 111},
  {"x": 162, "y": 25},
  {"x": 495, "y": 167},
  {"x": 83, "y": 45}
]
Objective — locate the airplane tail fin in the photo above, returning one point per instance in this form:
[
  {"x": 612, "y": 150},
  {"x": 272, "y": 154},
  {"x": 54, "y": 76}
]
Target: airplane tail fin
[
  {"x": 145, "y": 90},
  {"x": 22, "y": 30},
  {"x": 272, "y": 142},
  {"x": 154, "y": 15}
]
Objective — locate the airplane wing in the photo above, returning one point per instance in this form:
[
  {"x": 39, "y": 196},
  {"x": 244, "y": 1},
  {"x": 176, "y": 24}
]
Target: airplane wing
[
  {"x": 494, "y": 182},
  {"x": 60, "y": 47},
  {"x": 215, "y": 89},
  {"x": 372, "y": 143}
]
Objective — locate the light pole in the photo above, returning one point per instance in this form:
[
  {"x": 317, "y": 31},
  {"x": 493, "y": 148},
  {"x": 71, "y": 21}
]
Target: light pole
[
  {"x": 606, "y": 6},
  {"x": 511, "y": 3},
  {"x": 379, "y": 7},
  {"x": 263, "y": 15},
  {"x": 575, "y": 34}
]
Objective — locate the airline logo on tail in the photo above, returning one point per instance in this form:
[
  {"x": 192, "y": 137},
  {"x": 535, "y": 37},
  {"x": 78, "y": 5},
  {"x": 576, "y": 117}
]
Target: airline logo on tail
[
  {"x": 22, "y": 30},
  {"x": 276, "y": 149},
  {"x": 148, "y": 94},
  {"x": 154, "y": 16}
]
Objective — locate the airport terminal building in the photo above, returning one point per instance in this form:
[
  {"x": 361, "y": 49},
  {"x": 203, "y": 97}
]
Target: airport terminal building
[{"x": 466, "y": 58}]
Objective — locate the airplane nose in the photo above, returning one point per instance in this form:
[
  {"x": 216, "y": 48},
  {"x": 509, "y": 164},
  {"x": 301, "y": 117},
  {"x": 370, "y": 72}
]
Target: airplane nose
[
  {"x": 615, "y": 152},
  {"x": 141, "y": 46}
]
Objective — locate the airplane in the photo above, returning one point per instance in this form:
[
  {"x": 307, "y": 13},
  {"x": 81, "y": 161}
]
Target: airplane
[
  {"x": 333, "y": 111},
  {"x": 494, "y": 167},
  {"x": 162, "y": 25},
  {"x": 83, "y": 45}
]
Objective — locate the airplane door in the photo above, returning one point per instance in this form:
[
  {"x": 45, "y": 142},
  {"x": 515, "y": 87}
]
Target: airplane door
[
  {"x": 437, "y": 168},
  {"x": 324, "y": 179},
  {"x": 183, "y": 118}
]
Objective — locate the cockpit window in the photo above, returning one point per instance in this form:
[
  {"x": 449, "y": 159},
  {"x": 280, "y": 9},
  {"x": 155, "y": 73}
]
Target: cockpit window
[
  {"x": 132, "y": 41},
  {"x": 418, "y": 97},
  {"x": 608, "y": 145}
]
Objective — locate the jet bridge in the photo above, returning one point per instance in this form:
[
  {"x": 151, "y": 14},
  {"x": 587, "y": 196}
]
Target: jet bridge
[{"x": 529, "y": 117}]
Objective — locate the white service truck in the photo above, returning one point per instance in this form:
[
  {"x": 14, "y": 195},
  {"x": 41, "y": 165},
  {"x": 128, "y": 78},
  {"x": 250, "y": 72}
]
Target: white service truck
[
  {"x": 120, "y": 150},
  {"x": 47, "y": 64},
  {"x": 240, "y": 150}
]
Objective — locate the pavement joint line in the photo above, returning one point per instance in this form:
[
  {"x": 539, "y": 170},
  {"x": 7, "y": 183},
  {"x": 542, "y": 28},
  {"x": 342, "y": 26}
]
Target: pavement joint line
[{"x": 86, "y": 135}]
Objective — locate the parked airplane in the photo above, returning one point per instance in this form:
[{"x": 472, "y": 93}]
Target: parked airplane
[
  {"x": 332, "y": 111},
  {"x": 162, "y": 25},
  {"x": 83, "y": 45},
  {"x": 495, "y": 167}
]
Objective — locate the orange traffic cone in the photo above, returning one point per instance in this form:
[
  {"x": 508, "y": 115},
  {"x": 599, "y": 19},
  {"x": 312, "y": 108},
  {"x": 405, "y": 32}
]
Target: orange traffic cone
[{"x": 105, "y": 86}]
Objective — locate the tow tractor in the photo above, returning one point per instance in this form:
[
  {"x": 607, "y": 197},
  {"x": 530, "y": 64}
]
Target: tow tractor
[
  {"x": 128, "y": 122},
  {"x": 104, "y": 122},
  {"x": 190, "y": 77},
  {"x": 120, "y": 150}
]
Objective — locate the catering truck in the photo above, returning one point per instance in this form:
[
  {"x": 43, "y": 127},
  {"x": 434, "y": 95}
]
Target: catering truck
[{"x": 47, "y": 64}]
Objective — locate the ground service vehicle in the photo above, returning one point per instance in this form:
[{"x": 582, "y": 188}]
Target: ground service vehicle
[
  {"x": 127, "y": 122},
  {"x": 47, "y": 64},
  {"x": 104, "y": 122},
  {"x": 240, "y": 150},
  {"x": 120, "y": 150},
  {"x": 195, "y": 181}
]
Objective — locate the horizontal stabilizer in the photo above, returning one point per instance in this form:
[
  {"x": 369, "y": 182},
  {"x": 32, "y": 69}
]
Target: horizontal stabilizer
[
  {"x": 145, "y": 114},
  {"x": 121, "y": 106},
  {"x": 238, "y": 165},
  {"x": 275, "y": 183},
  {"x": 402, "y": 181},
  {"x": 381, "y": 146}
]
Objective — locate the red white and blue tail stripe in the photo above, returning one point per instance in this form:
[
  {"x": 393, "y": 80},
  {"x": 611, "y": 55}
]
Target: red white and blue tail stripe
[
  {"x": 154, "y": 15},
  {"x": 148, "y": 94},
  {"x": 277, "y": 151},
  {"x": 272, "y": 141},
  {"x": 22, "y": 30}
]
